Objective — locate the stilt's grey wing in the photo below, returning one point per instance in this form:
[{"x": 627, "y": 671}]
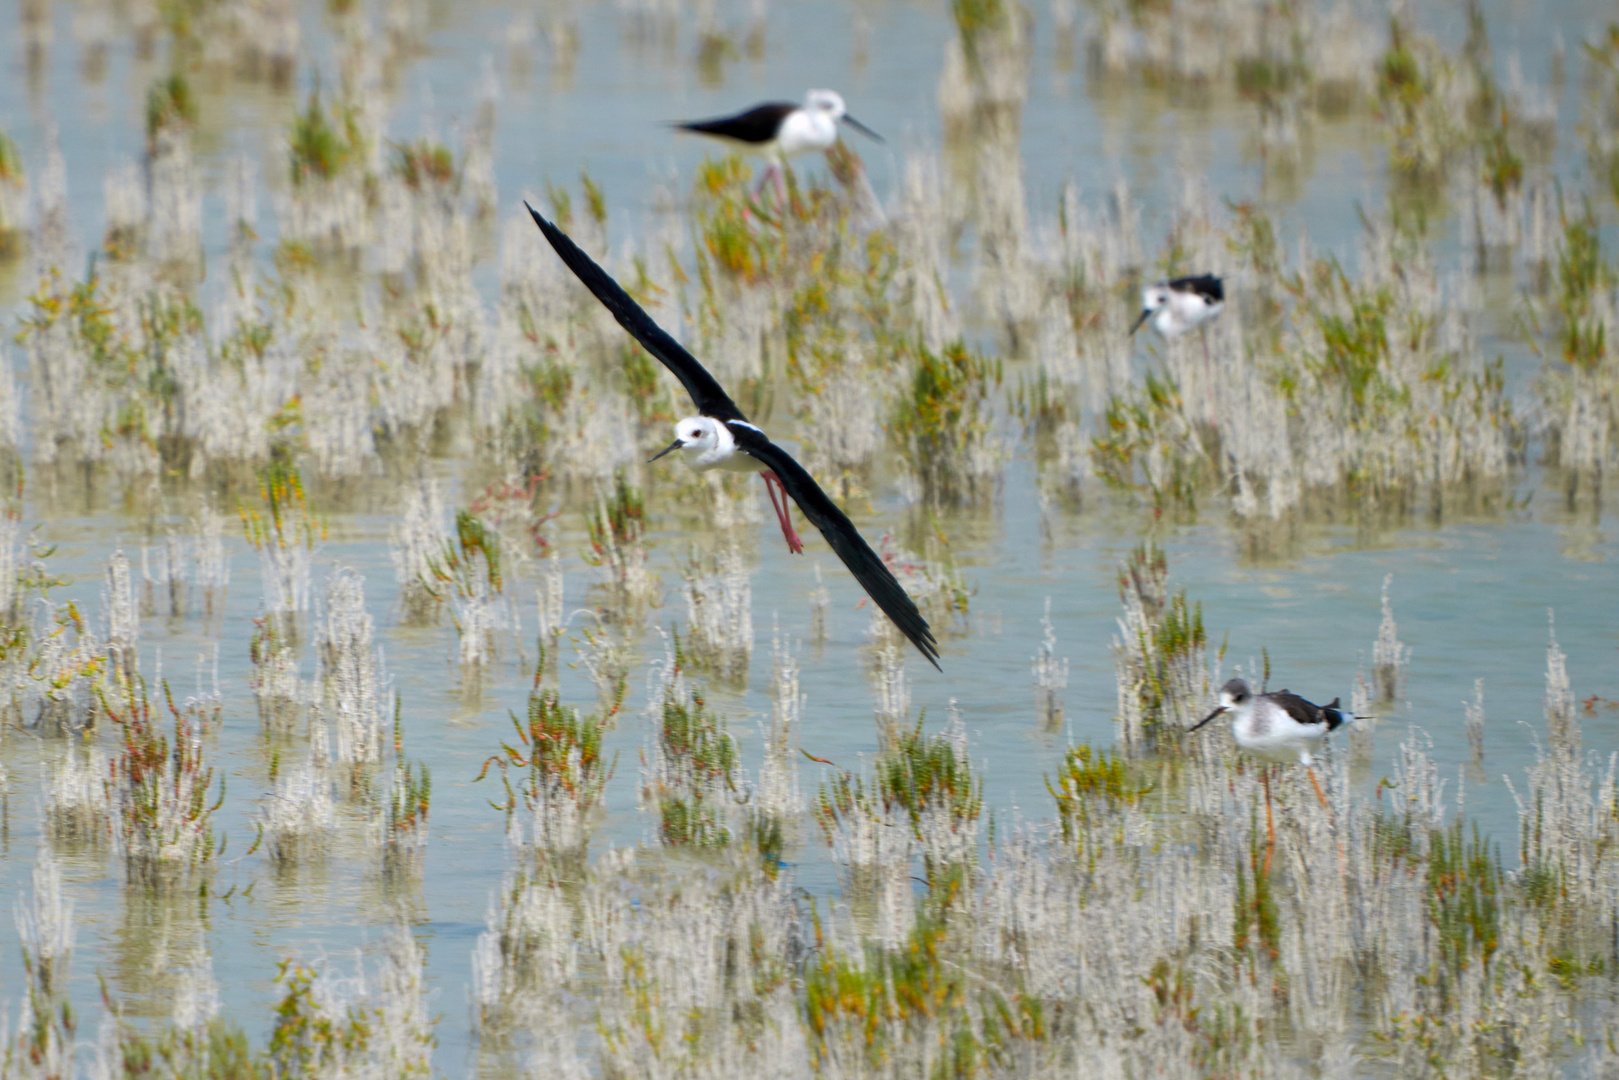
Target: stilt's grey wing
[
  {"x": 706, "y": 392},
  {"x": 757, "y": 125},
  {"x": 864, "y": 563}
]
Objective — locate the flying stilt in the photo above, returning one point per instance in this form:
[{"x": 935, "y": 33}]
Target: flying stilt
[
  {"x": 1279, "y": 727},
  {"x": 720, "y": 437},
  {"x": 778, "y": 130},
  {"x": 1182, "y": 304}
]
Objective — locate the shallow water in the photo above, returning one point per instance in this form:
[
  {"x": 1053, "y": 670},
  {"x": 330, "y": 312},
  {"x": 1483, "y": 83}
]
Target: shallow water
[{"x": 1471, "y": 599}]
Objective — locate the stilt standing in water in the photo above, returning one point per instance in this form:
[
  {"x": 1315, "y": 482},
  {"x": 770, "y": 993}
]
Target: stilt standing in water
[
  {"x": 1280, "y": 727},
  {"x": 720, "y": 437},
  {"x": 1182, "y": 304},
  {"x": 778, "y": 130}
]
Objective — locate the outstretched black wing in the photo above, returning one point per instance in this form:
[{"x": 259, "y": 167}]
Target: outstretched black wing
[
  {"x": 758, "y": 125},
  {"x": 706, "y": 393},
  {"x": 864, "y": 563},
  {"x": 1209, "y": 287}
]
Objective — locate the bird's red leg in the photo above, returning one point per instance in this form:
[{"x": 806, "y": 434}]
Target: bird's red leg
[
  {"x": 1270, "y": 826},
  {"x": 769, "y": 174},
  {"x": 1317, "y": 784},
  {"x": 783, "y": 511}
]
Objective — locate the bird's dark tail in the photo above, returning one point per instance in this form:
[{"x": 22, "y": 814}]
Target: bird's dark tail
[{"x": 1336, "y": 715}]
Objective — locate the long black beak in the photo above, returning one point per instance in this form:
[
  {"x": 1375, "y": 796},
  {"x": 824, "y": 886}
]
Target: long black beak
[
  {"x": 1207, "y": 718},
  {"x": 862, "y": 128},
  {"x": 1144, "y": 313},
  {"x": 671, "y": 448}
]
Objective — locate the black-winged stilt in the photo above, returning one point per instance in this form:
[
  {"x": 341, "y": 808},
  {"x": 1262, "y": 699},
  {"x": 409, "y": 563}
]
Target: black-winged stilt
[
  {"x": 1280, "y": 727},
  {"x": 1182, "y": 304},
  {"x": 720, "y": 437},
  {"x": 778, "y": 130}
]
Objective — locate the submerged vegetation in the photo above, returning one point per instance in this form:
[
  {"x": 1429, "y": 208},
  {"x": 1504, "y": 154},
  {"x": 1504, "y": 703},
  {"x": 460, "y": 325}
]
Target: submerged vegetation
[{"x": 401, "y": 359}]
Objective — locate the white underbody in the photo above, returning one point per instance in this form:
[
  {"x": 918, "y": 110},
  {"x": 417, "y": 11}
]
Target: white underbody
[
  {"x": 1268, "y": 731},
  {"x": 1185, "y": 311},
  {"x": 802, "y": 131}
]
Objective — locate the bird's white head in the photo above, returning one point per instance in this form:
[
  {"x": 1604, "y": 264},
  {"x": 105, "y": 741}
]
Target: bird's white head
[
  {"x": 704, "y": 442},
  {"x": 1154, "y": 298},
  {"x": 1235, "y": 694},
  {"x": 826, "y": 101},
  {"x": 1234, "y": 697}
]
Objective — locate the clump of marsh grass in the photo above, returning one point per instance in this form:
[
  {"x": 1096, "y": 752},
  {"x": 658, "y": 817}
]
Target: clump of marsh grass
[
  {"x": 47, "y": 1026},
  {"x": 524, "y": 963},
  {"x": 13, "y": 201},
  {"x": 105, "y": 357},
  {"x": 328, "y": 157},
  {"x": 1389, "y": 656},
  {"x": 820, "y": 604},
  {"x": 470, "y": 564},
  {"x": 68, "y": 665},
  {"x": 617, "y": 530},
  {"x": 284, "y": 532},
  {"x": 277, "y": 689},
  {"x": 924, "y": 787},
  {"x": 418, "y": 542},
  {"x": 1160, "y": 657},
  {"x": 778, "y": 796},
  {"x": 561, "y": 772},
  {"x": 944, "y": 424},
  {"x": 893, "y": 691},
  {"x": 1474, "y": 725},
  {"x": 158, "y": 787},
  {"x": 693, "y": 772},
  {"x": 605, "y": 655},
  {"x": 1578, "y": 398},
  {"x": 355, "y": 1026},
  {"x": 123, "y": 619},
  {"x": 353, "y": 698},
  {"x": 549, "y": 605},
  {"x": 912, "y": 1008},
  {"x": 78, "y": 814},
  {"x": 1093, "y": 788},
  {"x": 169, "y": 580},
  {"x": 719, "y": 617},
  {"x": 1050, "y": 675},
  {"x": 1147, "y": 442},
  {"x": 404, "y": 812},
  {"x": 1566, "y": 831},
  {"x": 299, "y": 818}
]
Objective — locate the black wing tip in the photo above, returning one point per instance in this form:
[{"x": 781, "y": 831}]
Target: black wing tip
[
  {"x": 552, "y": 233},
  {"x": 909, "y": 621}
]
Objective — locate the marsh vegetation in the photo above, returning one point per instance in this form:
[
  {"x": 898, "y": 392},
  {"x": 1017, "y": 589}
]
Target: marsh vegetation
[{"x": 499, "y": 681}]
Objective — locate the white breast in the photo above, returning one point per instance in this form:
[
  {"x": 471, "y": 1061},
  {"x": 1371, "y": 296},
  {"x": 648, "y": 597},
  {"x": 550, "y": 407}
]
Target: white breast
[
  {"x": 1267, "y": 731},
  {"x": 724, "y": 454},
  {"x": 1185, "y": 311},
  {"x": 805, "y": 130}
]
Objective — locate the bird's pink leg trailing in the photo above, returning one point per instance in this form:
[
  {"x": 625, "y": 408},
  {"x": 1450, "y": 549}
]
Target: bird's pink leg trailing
[
  {"x": 783, "y": 510},
  {"x": 771, "y": 173}
]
